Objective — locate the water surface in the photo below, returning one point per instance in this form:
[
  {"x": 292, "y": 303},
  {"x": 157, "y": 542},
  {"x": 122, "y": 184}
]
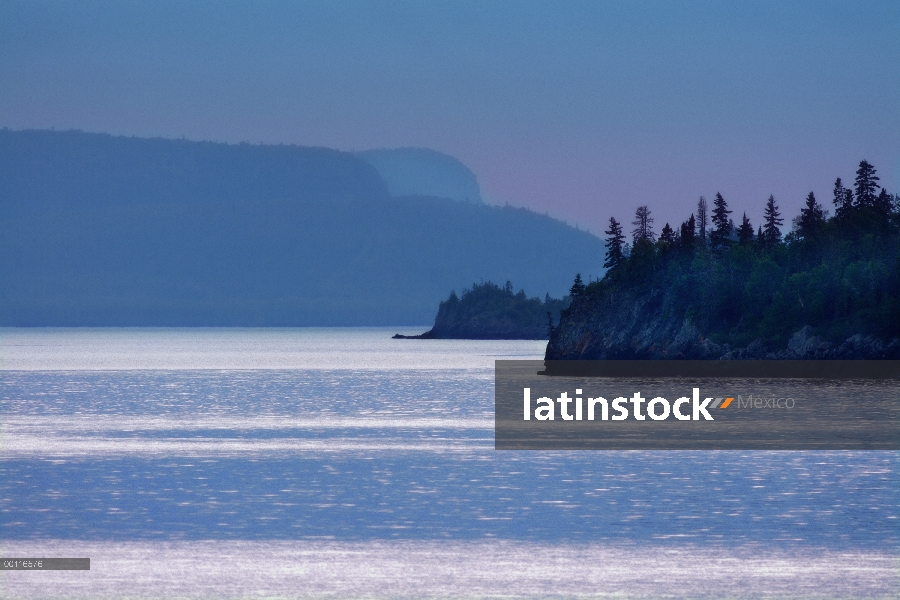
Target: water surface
[{"x": 342, "y": 463}]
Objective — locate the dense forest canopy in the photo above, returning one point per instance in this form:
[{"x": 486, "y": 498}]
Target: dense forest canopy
[{"x": 837, "y": 271}]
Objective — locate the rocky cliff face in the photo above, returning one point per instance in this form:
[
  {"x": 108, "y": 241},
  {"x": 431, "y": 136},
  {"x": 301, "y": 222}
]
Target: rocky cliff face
[
  {"x": 625, "y": 326},
  {"x": 634, "y": 325}
]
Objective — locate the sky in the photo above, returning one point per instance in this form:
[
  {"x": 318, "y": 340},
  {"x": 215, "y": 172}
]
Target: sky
[{"x": 583, "y": 110}]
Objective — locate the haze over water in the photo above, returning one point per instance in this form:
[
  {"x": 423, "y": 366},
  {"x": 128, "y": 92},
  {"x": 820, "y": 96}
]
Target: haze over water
[{"x": 342, "y": 463}]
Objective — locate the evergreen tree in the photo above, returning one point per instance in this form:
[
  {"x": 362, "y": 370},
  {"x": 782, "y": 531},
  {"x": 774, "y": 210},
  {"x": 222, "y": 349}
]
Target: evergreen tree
[
  {"x": 688, "y": 237},
  {"x": 773, "y": 221},
  {"x": 865, "y": 185},
  {"x": 719, "y": 236},
  {"x": 702, "y": 219},
  {"x": 614, "y": 250},
  {"x": 642, "y": 225},
  {"x": 578, "y": 287},
  {"x": 667, "y": 235},
  {"x": 883, "y": 204},
  {"x": 811, "y": 218},
  {"x": 760, "y": 238},
  {"x": 745, "y": 232},
  {"x": 843, "y": 200}
]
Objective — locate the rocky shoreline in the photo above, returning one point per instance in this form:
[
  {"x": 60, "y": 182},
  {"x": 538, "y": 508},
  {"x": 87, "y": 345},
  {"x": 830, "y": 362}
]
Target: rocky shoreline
[
  {"x": 428, "y": 335},
  {"x": 636, "y": 327}
]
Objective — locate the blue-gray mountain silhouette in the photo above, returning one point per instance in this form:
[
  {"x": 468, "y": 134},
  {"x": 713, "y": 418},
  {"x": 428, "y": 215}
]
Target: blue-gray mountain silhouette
[
  {"x": 424, "y": 172},
  {"x": 102, "y": 230}
]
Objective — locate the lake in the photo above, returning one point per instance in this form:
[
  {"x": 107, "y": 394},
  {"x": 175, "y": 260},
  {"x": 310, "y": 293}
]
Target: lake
[{"x": 338, "y": 462}]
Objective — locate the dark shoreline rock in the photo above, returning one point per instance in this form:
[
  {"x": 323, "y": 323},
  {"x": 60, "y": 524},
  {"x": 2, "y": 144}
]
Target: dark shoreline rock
[
  {"x": 636, "y": 328},
  {"x": 428, "y": 335}
]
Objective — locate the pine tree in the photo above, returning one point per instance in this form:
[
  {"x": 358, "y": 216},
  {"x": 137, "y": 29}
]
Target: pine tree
[
  {"x": 577, "y": 288},
  {"x": 614, "y": 250},
  {"x": 883, "y": 204},
  {"x": 843, "y": 200},
  {"x": 702, "y": 219},
  {"x": 688, "y": 237},
  {"x": 642, "y": 225},
  {"x": 865, "y": 185},
  {"x": 667, "y": 235},
  {"x": 745, "y": 232},
  {"x": 811, "y": 218},
  {"x": 773, "y": 221},
  {"x": 719, "y": 236}
]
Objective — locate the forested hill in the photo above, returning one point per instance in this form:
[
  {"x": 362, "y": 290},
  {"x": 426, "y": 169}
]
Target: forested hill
[
  {"x": 102, "y": 230},
  {"x": 708, "y": 289},
  {"x": 45, "y": 168},
  {"x": 487, "y": 311}
]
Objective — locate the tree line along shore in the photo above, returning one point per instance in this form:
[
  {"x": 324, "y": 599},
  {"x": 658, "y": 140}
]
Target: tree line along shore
[{"x": 711, "y": 288}]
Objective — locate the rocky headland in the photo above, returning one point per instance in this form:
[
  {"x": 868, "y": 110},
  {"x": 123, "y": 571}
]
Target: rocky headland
[
  {"x": 490, "y": 312},
  {"x": 709, "y": 289},
  {"x": 598, "y": 327}
]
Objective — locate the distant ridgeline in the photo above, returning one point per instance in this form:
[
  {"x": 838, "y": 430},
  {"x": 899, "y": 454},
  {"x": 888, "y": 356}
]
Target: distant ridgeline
[
  {"x": 489, "y": 312},
  {"x": 423, "y": 172},
  {"x": 97, "y": 230},
  {"x": 829, "y": 289}
]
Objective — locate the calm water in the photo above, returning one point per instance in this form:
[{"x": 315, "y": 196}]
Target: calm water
[{"x": 342, "y": 463}]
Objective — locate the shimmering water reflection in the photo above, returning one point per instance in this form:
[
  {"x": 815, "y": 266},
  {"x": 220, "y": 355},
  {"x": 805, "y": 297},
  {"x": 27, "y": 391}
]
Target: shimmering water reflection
[
  {"x": 243, "y": 464},
  {"x": 417, "y": 569}
]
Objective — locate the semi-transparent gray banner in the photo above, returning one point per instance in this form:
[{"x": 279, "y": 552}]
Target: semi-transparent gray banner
[{"x": 697, "y": 405}]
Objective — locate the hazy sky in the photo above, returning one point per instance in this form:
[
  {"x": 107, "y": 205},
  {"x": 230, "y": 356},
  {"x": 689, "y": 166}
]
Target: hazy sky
[{"x": 580, "y": 109}]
